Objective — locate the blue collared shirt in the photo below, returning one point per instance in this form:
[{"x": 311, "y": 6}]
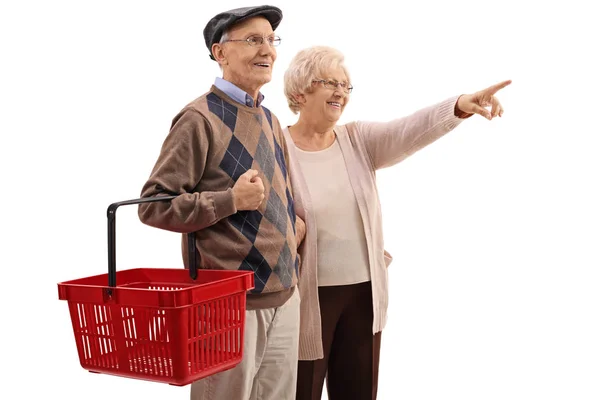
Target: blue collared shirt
[{"x": 236, "y": 93}]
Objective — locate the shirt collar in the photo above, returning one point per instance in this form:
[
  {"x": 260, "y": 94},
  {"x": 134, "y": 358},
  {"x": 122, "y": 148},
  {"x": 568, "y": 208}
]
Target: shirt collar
[{"x": 237, "y": 94}]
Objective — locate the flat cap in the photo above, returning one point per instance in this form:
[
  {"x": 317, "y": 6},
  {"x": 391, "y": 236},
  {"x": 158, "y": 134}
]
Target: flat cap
[{"x": 221, "y": 22}]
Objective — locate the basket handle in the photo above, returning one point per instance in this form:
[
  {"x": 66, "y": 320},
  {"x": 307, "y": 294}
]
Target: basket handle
[{"x": 111, "y": 214}]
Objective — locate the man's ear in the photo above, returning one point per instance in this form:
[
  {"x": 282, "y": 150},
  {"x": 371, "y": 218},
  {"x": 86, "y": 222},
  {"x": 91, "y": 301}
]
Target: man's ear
[{"x": 219, "y": 53}]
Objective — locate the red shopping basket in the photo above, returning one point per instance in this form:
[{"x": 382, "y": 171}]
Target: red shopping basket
[{"x": 172, "y": 326}]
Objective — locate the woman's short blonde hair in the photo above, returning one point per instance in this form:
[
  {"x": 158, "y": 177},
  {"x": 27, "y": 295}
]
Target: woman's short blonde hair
[{"x": 310, "y": 64}]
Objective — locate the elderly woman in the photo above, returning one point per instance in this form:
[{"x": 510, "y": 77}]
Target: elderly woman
[{"x": 343, "y": 274}]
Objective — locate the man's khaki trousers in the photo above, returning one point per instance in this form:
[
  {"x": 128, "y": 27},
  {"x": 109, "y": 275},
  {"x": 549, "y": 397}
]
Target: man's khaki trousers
[{"x": 270, "y": 360}]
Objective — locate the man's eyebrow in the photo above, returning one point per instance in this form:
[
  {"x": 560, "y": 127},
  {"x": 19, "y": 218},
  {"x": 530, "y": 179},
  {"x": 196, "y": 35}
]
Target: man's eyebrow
[{"x": 259, "y": 34}]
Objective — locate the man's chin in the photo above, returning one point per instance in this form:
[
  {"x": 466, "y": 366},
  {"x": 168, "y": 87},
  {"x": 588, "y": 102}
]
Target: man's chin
[{"x": 263, "y": 79}]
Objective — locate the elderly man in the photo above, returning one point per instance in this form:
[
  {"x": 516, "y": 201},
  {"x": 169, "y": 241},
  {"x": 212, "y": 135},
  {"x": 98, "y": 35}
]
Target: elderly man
[{"x": 225, "y": 158}]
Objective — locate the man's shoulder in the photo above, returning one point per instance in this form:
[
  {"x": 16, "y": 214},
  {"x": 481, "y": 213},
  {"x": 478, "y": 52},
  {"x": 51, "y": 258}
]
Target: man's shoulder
[
  {"x": 200, "y": 108},
  {"x": 199, "y": 104}
]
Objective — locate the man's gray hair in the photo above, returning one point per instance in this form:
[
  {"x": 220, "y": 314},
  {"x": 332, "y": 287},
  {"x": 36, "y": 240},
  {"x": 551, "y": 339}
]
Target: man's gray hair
[{"x": 224, "y": 37}]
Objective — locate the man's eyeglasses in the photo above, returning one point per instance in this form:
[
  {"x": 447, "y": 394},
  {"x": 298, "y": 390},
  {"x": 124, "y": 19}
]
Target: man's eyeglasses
[
  {"x": 333, "y": 85},
  {"x": 257, "y": 41}
]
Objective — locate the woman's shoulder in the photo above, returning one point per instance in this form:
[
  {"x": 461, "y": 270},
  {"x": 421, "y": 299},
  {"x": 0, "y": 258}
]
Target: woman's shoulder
[
  {"x": 351, "y": 130},
  {"x": 348, "y": 128}
]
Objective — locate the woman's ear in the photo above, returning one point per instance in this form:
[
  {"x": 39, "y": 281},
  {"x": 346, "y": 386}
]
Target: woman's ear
[
  {"x": 300, "y": 98},
  {"x": 219, "y": 54}
]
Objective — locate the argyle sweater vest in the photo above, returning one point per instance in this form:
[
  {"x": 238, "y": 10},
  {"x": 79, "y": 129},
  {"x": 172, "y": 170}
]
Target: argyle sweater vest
[{"x": 212, "y": 142}]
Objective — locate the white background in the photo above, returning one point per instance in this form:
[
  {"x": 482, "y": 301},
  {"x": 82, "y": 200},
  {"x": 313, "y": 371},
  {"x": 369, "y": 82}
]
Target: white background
[{"x": 494, "y": 289}]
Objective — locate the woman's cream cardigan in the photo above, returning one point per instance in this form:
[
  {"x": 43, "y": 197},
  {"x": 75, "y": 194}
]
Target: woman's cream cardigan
[{"x": 367, "y": 147}]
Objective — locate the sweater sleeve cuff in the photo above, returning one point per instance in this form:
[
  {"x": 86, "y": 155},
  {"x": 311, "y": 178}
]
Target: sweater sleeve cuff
[
  {"x": 223, "y": 203},
  {"x": 447, "y": 113}
]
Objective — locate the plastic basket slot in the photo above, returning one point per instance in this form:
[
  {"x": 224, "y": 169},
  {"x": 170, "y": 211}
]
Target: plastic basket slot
[
  {"x": 215, "y": 333},
  {"x": 147, "y": 339},
  {"x": 94, "y": 329},
  {"x": 158, "y": 285},
  {"x": 149, "y": 364}
]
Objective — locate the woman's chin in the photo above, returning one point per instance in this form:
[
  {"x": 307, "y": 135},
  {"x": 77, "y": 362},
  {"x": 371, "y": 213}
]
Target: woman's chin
[{"x": 334, "y": 116}]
